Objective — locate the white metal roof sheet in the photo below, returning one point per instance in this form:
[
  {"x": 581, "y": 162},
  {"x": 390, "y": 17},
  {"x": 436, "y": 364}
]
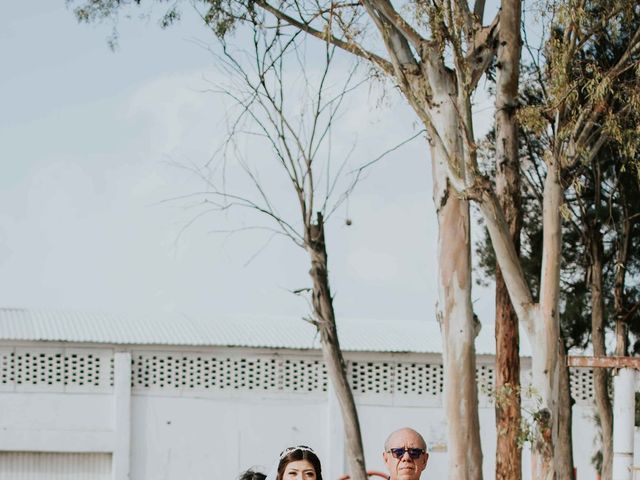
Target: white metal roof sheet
[{"x": 246, "y": 331}]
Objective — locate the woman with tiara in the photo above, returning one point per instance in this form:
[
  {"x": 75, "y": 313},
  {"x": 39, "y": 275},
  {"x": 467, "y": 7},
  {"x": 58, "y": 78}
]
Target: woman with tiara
[{"x": 296, "y": 463}]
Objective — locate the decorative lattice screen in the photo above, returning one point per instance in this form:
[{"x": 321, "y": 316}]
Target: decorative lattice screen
[
  {"x": 55, "y": 369},
  {"x": 485, "y": 379},
  {"x": 419, "y": 379},
  {"x": 581, "y": 381},
  {"x": 370, "y": 377},
  {"x": 210, "y": 372},
  {"x": 65, "y": 369},
  {"x": 7, "y": 375}
]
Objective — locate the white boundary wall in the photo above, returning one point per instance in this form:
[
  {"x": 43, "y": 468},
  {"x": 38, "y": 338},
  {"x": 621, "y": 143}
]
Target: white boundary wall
[{"x": 207, "y": 413}]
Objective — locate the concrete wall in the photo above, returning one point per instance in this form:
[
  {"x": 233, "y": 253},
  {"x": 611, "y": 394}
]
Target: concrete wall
[{"x": 161, "y": 417}]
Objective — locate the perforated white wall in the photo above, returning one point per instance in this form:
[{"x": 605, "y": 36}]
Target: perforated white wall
[
  {"x": 55, "y": 369},
  {"x": 87, "y": 369},
  {"x": 485, "y": 379},
  {"x": 581, "y": 381},
  {"x": 7, "y": 375},
  {"x": 393, "y": 377},
  {"x": 371, "y": 377},
  {"x": 200, "y": 371},
  {"x": 420, "y": 379}
]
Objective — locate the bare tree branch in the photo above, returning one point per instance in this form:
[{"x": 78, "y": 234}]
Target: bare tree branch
[{"x": 350, "y": 47}]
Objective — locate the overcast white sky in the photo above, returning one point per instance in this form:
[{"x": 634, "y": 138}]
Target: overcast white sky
[{"x": 87, "y": 142}]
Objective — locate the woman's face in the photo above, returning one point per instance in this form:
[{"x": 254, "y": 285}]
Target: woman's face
[{"x": 299, "y": 470}]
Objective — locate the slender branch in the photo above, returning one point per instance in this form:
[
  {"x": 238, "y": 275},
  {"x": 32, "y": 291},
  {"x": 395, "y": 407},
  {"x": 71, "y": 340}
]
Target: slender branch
[
  {"x": 396, "y": 44},
  {"x": 361, "y": 169},
  {"x": 412, "y": 35},
  {"x": 350, "y": 47}
]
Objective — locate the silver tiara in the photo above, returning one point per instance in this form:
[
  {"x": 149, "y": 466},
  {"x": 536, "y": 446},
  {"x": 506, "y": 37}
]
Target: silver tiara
[
  {"x": 273, "y": 473},
  {"x": 287, "y": 451}
]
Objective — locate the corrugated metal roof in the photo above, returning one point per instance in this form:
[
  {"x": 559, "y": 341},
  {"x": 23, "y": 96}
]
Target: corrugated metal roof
[{"x": 246, "y": 331}]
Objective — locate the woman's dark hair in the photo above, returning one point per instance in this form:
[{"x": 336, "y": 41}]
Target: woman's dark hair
[
  {"x": 251, "y": 475},
  {"x": 295, "y": 454}
]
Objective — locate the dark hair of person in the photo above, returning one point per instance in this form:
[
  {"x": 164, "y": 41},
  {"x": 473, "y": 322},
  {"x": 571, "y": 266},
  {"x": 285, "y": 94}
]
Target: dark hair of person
[
  {"x": 252, "y": 475},
  {"x": 297, "y": 454}
]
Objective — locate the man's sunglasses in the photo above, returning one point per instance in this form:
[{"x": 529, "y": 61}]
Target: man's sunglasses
[{"x": 414, "y": 453}]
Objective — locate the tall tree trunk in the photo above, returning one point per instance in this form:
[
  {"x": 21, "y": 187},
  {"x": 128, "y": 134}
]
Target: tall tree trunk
[
  {"x": 508, "y": 416},
  {"x": 458, "y": 332},
  {"x": 546, "y": 340},
  {"x": 600, "y": 375},
  {"x": 325, "y": 322},
  {"x": 541, "y": 320},
  {"x": 622, "y": 258},
  {"x": 454, "y": 309},
  {"x": 624, "y": 395},
  {"x": 564, "y": 446}
]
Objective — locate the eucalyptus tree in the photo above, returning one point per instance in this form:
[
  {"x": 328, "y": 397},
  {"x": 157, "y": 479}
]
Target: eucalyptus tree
[
  {"x": 605, "y": 213},
  {"x": 600, "y": 225},
  {"x": 508, "y": 185},
  {"x": 593, "y": 55},
  {"x": 573, "y": 120},
  {"x": 284, "y": 102}
]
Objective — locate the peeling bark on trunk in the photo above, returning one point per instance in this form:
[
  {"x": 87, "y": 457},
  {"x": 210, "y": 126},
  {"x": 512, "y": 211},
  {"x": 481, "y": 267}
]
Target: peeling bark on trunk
[
  {"x": 508, "y": 401},
  {"x": 458, "y": 333},
  {"x": 544, "y": 364},
  {"x": 454, "y": 309},
  {"x": 600, "y": 375},
  {"x": 436, "y": 107},
  {"x": 332, "y": 355},
  {"x": 541, "y": 321}
]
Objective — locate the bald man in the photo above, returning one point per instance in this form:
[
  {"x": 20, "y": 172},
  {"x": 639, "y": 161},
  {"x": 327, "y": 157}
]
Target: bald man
[{"x": 405, "y": 454}]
